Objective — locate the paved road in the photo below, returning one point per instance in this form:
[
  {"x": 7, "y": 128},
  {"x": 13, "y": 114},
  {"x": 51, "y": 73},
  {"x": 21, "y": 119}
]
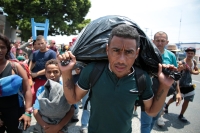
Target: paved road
[{"x": 172, "y": 123}]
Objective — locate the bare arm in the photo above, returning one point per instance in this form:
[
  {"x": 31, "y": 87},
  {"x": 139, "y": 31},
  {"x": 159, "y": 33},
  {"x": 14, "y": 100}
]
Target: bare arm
[
  {"x": 154, "y": 105},
  {"x": 195, "y": 71},
  {"x": 24, "y": 47},
  {"x": 26, "y": 86},
  {"x": 54, "y": 128},
  {"x": 31, "y": 65},
  {"x": 27, "y": 93},
  {"x": 39, "y": 73},
  {"x": 72, "y": 92},
  {"x": 39, "y": 118},
  {"x": 178, "y": 95}
]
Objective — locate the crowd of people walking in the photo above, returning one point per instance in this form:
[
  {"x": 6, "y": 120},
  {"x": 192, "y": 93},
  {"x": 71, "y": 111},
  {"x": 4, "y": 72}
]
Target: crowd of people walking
[{"x": 34, "y": 83}]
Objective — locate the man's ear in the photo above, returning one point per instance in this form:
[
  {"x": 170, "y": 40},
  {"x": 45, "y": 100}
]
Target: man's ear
[
  {"x": 107, "y": 49},
  {"x": 153, "y": 41},
  {"x": 137, "y": 52}
]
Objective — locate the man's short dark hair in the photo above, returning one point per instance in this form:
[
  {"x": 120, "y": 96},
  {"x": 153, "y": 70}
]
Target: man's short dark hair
[
  {"x": 161, "y": 32},
  {"x": 34, "y": 41},
  {"x": 40, "y": 37},
  {"x": 125, "y": 31},
  {"x": 52, "y": 61}
]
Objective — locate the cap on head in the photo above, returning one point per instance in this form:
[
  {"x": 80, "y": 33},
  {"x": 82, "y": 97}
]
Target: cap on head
[
  {"x": 20, "y": 58},
  {"x": 190, "y": 49}
]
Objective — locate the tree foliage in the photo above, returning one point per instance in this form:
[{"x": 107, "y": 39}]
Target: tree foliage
[{"x": 66, "y": 17}]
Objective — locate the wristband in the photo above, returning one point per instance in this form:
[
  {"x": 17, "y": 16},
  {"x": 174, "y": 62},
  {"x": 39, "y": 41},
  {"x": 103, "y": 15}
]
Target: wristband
[
  {"x": 27, "y": 114},
  {"x": 30, "y": 110}
]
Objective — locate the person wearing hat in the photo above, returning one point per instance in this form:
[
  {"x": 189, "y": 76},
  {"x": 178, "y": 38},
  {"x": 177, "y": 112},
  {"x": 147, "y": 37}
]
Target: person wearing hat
[
  {"x": 188, "y": 66},
  {"x": 20, "y": 58}
]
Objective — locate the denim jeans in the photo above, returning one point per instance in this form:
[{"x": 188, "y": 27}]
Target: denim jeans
[
  {"x": 75, "y": 116},
  {"x": 147, "y": 122},
  {"x": 86, "y": 113}
]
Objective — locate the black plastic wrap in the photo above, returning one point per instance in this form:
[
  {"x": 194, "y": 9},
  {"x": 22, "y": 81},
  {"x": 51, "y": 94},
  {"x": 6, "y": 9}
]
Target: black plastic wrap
[{"x": 91, "y": 43}]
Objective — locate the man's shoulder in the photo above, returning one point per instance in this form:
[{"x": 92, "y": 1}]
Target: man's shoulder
[
  {"x": 91, "y": 64},
  {"x": 88, "y": 68}
]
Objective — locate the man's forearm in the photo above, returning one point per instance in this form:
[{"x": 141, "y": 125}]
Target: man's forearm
[
  {"x": 69, "y": 87},
  {"x": 23, "y": 47},
  {"x": 28, "y": 99},
  {"x": 157, "y": 101},
  {"x": 177, "y": 87},
  {"x": 42, "y": 72},
  {"x": 195, "y": 72},
  {"x": 39, "y": 118},
  {"x": 31, "y": 65}
]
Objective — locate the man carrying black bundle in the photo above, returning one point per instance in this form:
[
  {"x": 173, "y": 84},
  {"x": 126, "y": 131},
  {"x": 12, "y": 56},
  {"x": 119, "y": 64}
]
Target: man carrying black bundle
[{"x": 115, "y": 92}]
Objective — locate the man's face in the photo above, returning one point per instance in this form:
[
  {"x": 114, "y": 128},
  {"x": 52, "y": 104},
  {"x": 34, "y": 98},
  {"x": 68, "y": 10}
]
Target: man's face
[
  {"x": 30, "y": 46},
  {"x": 190, "y": 54},
  {"x": 41, "y": 44},
  {"x": 19, "y": 52},
  {"x": 122, "y": 53},
  {"x": 17, "y": 44},
  {"x": 52, "y": 44},
  {"x": 160, "y": 41},
  {"x": 36, "y": 46},
  {"x": 53, "y": 72}
]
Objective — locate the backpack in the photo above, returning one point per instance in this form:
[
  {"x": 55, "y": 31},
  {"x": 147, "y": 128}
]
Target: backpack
[
  {"x": 26, "y": 68},
  {"x": 97, "y": 71}
]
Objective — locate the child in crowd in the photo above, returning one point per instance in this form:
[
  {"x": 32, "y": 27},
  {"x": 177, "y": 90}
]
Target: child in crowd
[{"x": 51, "y": 109}]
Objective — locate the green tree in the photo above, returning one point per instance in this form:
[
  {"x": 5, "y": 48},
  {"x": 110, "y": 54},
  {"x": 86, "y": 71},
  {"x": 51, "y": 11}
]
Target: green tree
[{"x": 66, "y": 17}]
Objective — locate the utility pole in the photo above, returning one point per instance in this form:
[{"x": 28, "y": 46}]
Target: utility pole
[
  {"x": 179, "y": 44},
  {"x": 179, "y": 30}
]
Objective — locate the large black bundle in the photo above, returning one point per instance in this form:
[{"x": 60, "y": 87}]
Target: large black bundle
[{"x": 91, "y": 43}]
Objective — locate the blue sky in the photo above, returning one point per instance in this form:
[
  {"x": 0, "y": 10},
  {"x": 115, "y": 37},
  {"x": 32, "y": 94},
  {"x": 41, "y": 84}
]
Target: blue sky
[{"x": 155, "y": 15}]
